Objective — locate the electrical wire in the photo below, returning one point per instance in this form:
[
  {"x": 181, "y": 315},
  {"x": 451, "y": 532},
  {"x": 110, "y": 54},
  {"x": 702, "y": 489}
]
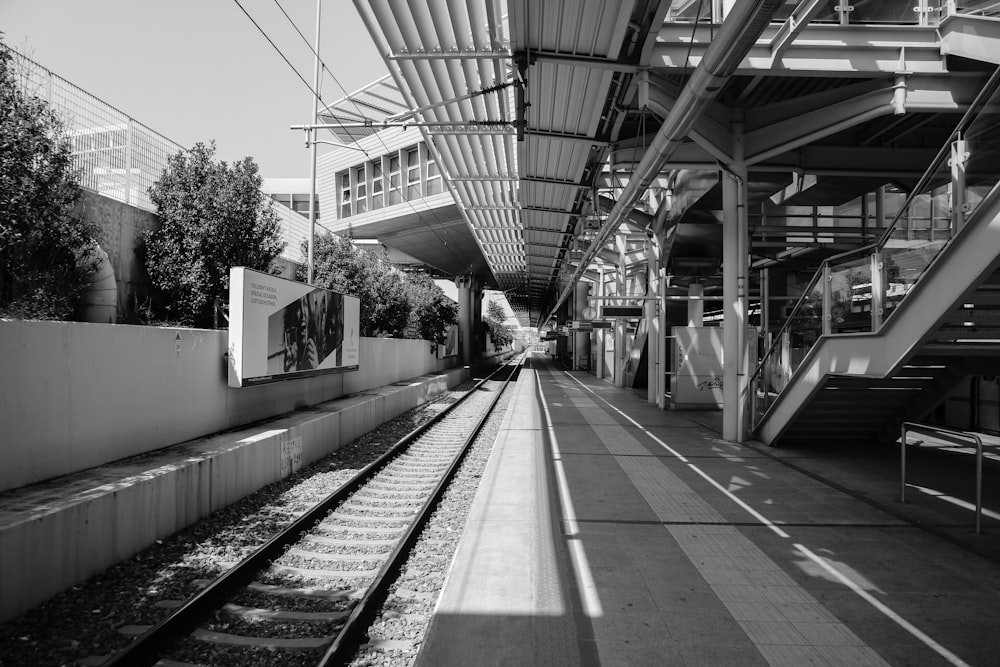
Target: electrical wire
[
  {"x": 316, "y": 95},
  {"x": 279, "y": 51},
  {"x": 377, "y": 135}
]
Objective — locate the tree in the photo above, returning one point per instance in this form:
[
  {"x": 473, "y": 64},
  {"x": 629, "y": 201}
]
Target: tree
[
  {"x": 367, "y": 274},
  {"x": 432, "y": 311},
  {"x": 494, "y": 318},
  {"x": 213, "y": 217},
  {"x": 46, "y": 250}
]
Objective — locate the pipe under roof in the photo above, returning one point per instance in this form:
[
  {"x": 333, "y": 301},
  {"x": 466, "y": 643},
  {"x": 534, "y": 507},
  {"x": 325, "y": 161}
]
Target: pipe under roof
[{"x": 737, "y": 35}]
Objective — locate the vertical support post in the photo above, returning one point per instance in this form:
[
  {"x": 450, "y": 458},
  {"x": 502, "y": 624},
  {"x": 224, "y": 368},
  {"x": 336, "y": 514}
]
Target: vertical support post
[
  {"x": 959, "y": 155},
  {"x": 312, "y": 152},
  {"x": 599, "y": 366},
  {"x": 479, "y": 343},
  {"x": 661, "y": 343},
  {"x": 765, "y": 306},
  {"x": 844, "y": 8},
  {"x": 880, "y": 207},
  {"x": 734, "y": 267},
  {"x": 581, "y": 339},
  {"x": 129, "y": 146},
  {"x": 650, "y": 309},
  {"x": 759, "y": 388},
  {"x": 878, "y": 290},
  {"x": 864, "y": 217},
  {"x": 826, "y": 316},
  {"x": 979, "y": 484},
  {"x": 621, "y": 324},
  {"x": 974, "y": 403},
  {"x": 466, "y": 311},
  {"x": 902, "y": 464},
  {"x": 923, "y": 10},
  {"x": 696, "y": 305}
]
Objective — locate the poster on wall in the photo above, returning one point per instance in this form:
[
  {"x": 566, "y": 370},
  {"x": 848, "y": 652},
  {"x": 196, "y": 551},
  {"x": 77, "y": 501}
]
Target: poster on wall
[
  {"x": 281, "y": 329},
  {"x": 450, "y": 347}
]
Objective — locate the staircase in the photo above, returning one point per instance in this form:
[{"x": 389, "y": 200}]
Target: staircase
[{"x": 863, "y": 386}]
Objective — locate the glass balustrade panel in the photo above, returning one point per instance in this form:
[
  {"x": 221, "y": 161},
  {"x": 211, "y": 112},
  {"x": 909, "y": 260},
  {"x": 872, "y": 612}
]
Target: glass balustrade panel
[{"x": 851, "y": 294}]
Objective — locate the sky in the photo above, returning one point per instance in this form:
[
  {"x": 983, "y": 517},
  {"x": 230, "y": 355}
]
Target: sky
[{"x": 199, "y": 70}]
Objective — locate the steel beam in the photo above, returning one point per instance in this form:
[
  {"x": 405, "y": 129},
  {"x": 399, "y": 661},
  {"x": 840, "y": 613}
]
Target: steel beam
[
  {"x": 558, "y": 136},
  {"x": 453, "y": 53}
]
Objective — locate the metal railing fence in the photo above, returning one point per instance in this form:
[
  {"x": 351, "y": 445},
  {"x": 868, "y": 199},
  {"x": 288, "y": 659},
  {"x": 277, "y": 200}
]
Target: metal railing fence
[
  {"x": 844, "y": 12},
  {"x": 116, "y": 155}
]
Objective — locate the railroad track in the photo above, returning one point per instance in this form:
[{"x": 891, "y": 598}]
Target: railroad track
[{"x": 315, "y": 587}]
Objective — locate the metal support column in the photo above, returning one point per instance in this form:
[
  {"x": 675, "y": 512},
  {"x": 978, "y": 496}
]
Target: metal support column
[
  {"x": 696, "y": 305},
  {"x": 663, "y": 348},
  {"x": 311, "y": 134},
  {"x": 600, "y": 369},
  {"x": 734, "y": 272},
  {"x": 959, "y": 207},
  {"x": 652, "y": 309},
  {"x": 581, "y": 339},
  {"x": 466, "y": 310},
  {"x": 621, "y": 324}
]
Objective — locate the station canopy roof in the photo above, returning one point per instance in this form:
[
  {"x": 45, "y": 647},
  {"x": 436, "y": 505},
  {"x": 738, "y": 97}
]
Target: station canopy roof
[{"x": 555, "y": 125}]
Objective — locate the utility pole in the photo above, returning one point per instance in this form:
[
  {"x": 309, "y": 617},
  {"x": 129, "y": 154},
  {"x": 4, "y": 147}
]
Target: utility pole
[{"x": 312, "y": 149}]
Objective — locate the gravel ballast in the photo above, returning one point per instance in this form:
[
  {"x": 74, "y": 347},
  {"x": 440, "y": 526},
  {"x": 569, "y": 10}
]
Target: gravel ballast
[{"x": 89, "y": 622}]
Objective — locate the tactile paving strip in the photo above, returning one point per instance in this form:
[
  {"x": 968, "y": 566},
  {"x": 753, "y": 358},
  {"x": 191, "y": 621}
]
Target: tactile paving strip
[{"x": 786, "y": 624}]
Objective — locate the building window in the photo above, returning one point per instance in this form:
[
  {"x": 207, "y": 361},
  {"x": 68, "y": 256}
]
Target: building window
[
  {"x": 345, "y": 195},
  {"x": 300, "y": 204},
  {"x": 434, "y": 181},
  {"x": 361, "y": 194},
  {"x": 412, "y": 174},
  {"x": 395, "y": 193},
  {"x": 378, "y": 185}
]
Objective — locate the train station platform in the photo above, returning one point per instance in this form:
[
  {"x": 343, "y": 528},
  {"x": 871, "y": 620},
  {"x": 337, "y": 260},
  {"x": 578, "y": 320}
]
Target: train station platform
[{"x": 609, "y": 532}]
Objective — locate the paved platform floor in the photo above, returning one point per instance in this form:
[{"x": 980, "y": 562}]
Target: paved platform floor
[{"x": 609, "y": 532}]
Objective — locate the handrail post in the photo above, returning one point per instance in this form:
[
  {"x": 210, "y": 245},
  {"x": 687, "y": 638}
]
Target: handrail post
[
  {"x": 902, "y": 465},
  {"x": 931, "y": 430},
  {"x": 878, "y": 290},
  {"x": 979, "y": 484},
  {"x": 959, "y": 207},
  {"x": 827, "y": 319}
]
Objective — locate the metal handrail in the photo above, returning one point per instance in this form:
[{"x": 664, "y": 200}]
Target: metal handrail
[{"x": 935, "y": 430}]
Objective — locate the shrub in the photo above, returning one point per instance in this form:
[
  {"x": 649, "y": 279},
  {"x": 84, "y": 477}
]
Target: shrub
[
  {"x": 213, "y": 217},
  {"x": 46, "y": 250}
]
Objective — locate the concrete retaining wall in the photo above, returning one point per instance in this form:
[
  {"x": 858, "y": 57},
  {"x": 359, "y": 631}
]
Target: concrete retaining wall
[
  {"x": 53, "y": 536},
  {"x": 120, "y": 229},
  {"x": 77, "y": 395}
]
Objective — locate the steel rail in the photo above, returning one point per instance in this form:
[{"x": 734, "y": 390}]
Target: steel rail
[
  {"x": 145, "y": 649},
  {"x": 355, "y": 628}
]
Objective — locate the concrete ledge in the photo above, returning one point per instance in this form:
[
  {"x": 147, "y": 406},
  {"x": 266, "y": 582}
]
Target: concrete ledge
[{"x": 56, "y": 534}]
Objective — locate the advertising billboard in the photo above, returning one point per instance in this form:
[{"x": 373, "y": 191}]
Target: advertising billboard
[
  {"x": 281, "y": 329},
  {"x": 450, "y": 347}
]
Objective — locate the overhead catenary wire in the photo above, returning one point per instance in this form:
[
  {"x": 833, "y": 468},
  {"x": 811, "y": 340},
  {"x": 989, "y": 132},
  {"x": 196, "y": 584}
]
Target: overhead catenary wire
[
  {"x": 361, "y": 113},
  {"x": 279, "y": 51},
  {"x": 315, "y": 93},
  {"x": 315, "y": 53}
]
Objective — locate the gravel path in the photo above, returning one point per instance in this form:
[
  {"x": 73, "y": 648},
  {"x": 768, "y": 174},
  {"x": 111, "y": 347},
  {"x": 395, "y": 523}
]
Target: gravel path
[{"x": 90, "y": 621}]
